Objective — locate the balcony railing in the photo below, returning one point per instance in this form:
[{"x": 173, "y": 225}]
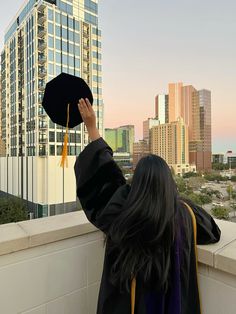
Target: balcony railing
[
  {"x": 41, "y": 18},
  {"x": 43, "y": 140},
  {"x": 63, "y": 256},
  {"x": 41, "y": 32},
  {"x": 42, "y": 59},
  {"x": 42, "y": 73},
  {"x": 41, "y": 111},
  {"x": 41, "y": 7},
  {"x": 42, "y": 45}
]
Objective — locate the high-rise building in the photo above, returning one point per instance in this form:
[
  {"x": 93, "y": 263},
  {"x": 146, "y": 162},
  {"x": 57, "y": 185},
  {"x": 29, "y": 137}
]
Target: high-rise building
[
  {"x": 45, "y": 39},
  {"x": 195, "y": 109},
  {"x": 187, "y": 110},
  {"x": 141, "y": 149},
  {"x": 121, "y": 139},
  {"x": 162, "y": 108},
  {"x": 2, "y": 144},
  {"x": 147, "y": 125},
  {"x": 200, "y": 144},
  {"x": 170, "y": 141},
  {"x": 111, "y": 138},
  {"x": 175, "y": 101}
]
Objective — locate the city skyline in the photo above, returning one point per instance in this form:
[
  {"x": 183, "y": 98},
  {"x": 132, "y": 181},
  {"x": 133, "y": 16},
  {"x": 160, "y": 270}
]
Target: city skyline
[{"x": 204, "y": 54}]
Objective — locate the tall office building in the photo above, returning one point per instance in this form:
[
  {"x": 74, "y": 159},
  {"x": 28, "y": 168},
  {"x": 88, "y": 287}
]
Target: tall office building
[
  {"x": 162, "y": 108},
  {"x": 2, "y": 144},
  {"x": 45, "y": 39},
  {"x": 187, "y": 109},
  {"x": 200, "y": 145},
  {"x": 195, "y": 109},
  {"x": 147, "y": 125},
  {"x": 141, "y": 149},
  {"x": 121, "y": 139},
  {"x": 175, "y": 101}
]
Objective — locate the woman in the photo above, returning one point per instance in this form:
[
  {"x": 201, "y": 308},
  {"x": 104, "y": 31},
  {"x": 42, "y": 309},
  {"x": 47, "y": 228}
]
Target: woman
[{"x": 149, "y": 231}]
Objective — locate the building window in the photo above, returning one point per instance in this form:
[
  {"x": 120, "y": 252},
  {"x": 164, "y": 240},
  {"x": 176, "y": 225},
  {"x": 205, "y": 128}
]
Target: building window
[
  {"x": 50, "y": 28},
  {"x": 77, "y": 63},
  {"x": 58, "y": 31},
  {"x": 50, "y": 41},
  {"x": 51, "y": 136},
  {"x": 58, "y": 57},
  {"x": 51, "y": 69},
  {"x": 52, "y": 150},
  {"x": 50, "y": 15},
  {"x": 50, "y": 55}
]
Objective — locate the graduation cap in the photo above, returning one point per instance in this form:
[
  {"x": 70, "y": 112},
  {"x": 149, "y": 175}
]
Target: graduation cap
[{"x": 60, "y": 101}]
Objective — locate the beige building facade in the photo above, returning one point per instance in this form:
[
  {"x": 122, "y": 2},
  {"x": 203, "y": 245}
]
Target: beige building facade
[{"x": 170, "y": 141}]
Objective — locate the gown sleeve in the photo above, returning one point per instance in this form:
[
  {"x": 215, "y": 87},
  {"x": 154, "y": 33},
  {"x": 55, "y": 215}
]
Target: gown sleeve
[
  {"x": 98, "y": 178},
  {"x": 207, "y": 230}
]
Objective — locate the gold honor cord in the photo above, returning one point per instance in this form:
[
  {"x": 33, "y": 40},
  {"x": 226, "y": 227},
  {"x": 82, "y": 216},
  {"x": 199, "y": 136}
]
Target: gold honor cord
[
  {"x": 64, "y": 158},
  {"x": 195, "y": 243},
  {"x": 133, "y": 292}
]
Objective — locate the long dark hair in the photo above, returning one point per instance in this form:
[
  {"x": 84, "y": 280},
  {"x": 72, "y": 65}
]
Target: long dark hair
[{"x": 142, "y": 236}]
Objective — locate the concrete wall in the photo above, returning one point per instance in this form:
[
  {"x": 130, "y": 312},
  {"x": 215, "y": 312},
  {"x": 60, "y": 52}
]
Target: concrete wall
[
  {"x": 44, "y": 181},
  {"x": 53, "y": 265}
]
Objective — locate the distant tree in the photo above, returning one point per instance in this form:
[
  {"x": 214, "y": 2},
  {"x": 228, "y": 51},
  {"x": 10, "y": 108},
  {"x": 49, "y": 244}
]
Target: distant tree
[
  {"x": 220, "y": 166},
  {"x": 231, "y": 192},
  {"x": 215, "y": 177},
  {"x": 12, "y": 209},
  {"x": 190, "y": 174},
  {"x": 220, "y": 212},
  {"x": 233, "y": 178},
  {"x": 198, "y": 199}
]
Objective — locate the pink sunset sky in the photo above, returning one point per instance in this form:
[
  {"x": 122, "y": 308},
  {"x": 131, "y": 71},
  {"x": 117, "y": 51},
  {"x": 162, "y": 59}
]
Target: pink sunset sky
[{"x": 147, "y": 44}]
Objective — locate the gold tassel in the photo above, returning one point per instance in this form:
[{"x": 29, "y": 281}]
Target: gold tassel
[
  {"x": 133, "y": 292},
  {"x": 64, "y": 158}
]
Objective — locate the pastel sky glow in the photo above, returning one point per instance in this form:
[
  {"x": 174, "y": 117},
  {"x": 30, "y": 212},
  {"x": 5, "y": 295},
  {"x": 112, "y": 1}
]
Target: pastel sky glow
[{"x": 147, "y": 44}]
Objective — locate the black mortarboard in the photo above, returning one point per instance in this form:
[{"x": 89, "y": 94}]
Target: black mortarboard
[
  {"x": 60, "y": 101},
  {"x": 63, "y": 90}
]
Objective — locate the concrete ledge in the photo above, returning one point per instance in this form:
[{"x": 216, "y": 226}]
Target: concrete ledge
[
  {"x": 22, "y": 235},
  {"x": 26, "y": 234}
]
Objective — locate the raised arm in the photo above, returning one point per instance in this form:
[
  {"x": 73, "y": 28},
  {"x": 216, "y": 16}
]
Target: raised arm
[{"x": 97, "y": 175}]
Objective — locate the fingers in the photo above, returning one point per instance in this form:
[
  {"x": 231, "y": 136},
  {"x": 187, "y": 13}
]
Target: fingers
[
  {"x": 83, "y": 108},
  {"x": 89, "y": 106}
]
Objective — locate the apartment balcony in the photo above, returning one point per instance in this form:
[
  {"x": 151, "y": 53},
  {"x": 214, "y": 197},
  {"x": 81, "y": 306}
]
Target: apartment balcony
[
  {"x": 54, "y": 264},
  {"x": 41, "y": 87},
  {"x": 41, "y": 18},
  {"x": 86, "y": 70},
  {"x": 41, "y": 7},
  {"x": 86, "y": 57},
  {"x": 43, "y": 125},
  {"x": 41, "y": 111},
  {"x": 43, "y": 140},
  {"x": 42, "y": 60},
  {"x": 42, "y": 45},
  {"x": 86, "y": 45},
  {"x": 41, "y": 32},
  {"x": 86, "y": 33},
  {"x": 42, "y": 73}
]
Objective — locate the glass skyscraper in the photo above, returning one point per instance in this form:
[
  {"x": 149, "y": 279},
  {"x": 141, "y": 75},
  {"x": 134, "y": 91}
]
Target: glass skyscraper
[{"x": 45, "y": 39}]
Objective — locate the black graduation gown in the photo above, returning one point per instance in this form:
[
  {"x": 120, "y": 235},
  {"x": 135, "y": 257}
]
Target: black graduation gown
[{"x": 102, "y": 191}]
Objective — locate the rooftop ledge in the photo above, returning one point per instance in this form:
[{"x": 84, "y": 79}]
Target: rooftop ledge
[{"x": 32, "y": 233}]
